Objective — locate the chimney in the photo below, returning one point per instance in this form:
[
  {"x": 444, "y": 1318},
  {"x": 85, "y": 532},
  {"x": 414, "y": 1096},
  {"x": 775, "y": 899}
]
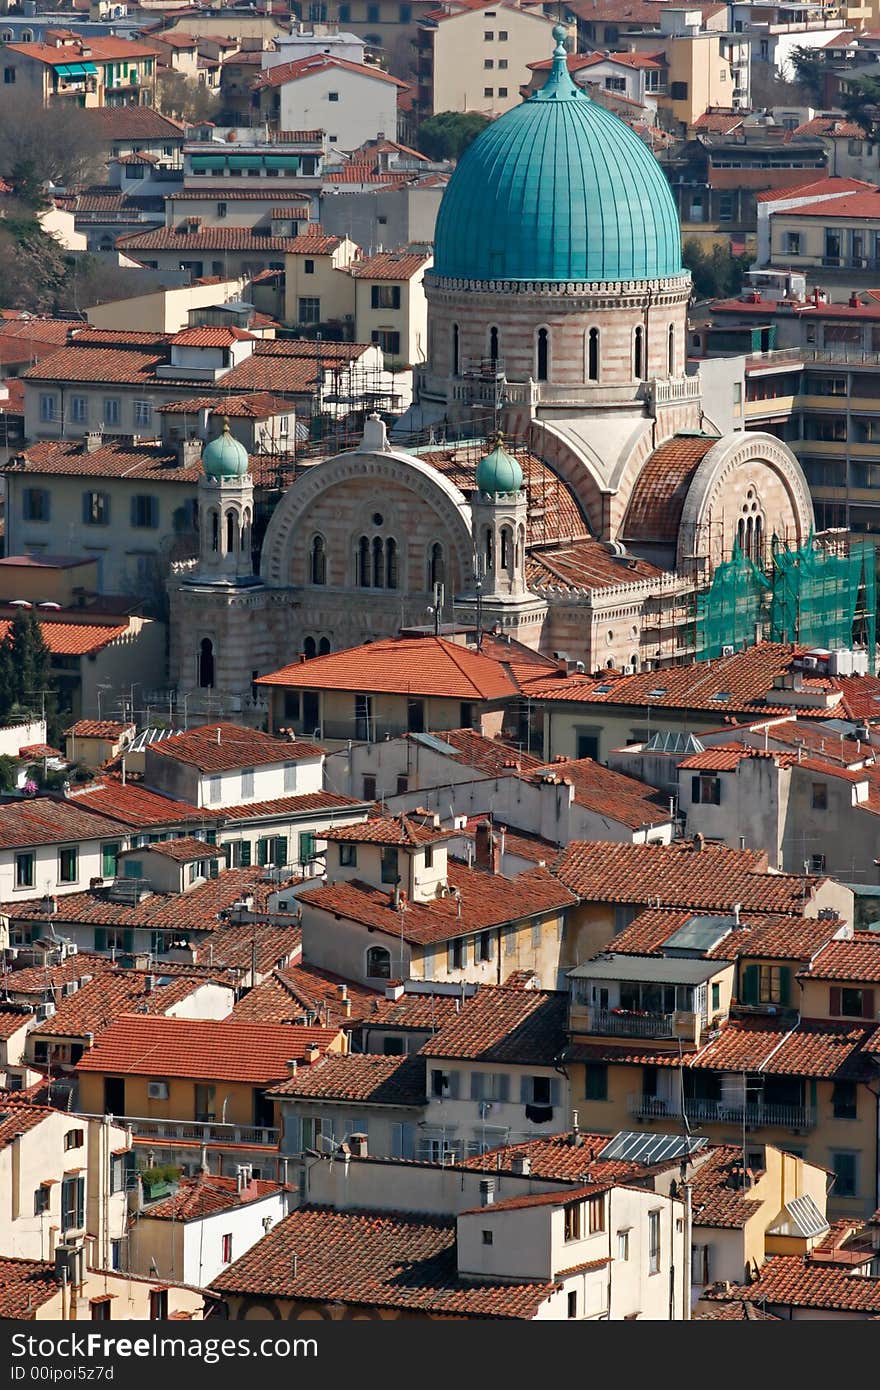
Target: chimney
[
  {"x": 92, "y": 441},
  {"x": 488, "y": 852},
  {"x": 149, "y": 984},
  {"x": 699, "y": 841},
  {"x": 358, "y": 1145},
  {"x": 487, "y": 1192},
  {"x": 521, "y": 1164},
  {"x": 313, "y": 1052},
  {"x": 291, "y": 1066},
  {"x": 189, "y": 451}
]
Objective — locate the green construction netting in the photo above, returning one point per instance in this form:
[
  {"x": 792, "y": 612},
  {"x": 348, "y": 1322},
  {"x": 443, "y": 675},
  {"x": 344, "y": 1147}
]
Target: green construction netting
[{"x": 810, "y": 595}]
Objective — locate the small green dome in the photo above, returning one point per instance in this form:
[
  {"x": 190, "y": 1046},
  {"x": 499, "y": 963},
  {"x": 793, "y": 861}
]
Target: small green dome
[
  {"x": 224, "y": 457},
  {"x": 558, "y": 188},
  {"x": 498, "y": 472}
]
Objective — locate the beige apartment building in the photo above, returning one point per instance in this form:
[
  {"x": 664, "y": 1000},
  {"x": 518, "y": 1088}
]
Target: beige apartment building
[
  {"x": 107, "y": 71},
  {"x": 477, "y": 59}
]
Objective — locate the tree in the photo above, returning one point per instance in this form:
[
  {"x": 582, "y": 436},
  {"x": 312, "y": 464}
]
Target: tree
[
  {"x": 24, "y": 664},
  {"x": 41, "y": 144},
  {"x": 716, "y": 274},
  {"x": 34, "y": 269},
  {"x": 861, "y": 102},
  {"x": 448, "y": 134},
  {"x": 809, "y": 68},
  {"x": 185, "y": 99}
]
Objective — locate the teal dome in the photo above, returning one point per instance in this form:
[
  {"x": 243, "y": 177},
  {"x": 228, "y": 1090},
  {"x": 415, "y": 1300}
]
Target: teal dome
[
  {"x": 498, "y": 472},
  {"x": 558, "y": 189},
  {"x": 224, "y": 457}
]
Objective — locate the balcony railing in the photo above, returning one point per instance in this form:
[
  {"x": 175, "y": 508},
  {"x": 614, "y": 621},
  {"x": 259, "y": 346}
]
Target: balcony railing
[
  {"x": 758, "y": 1114},
  {"x": 197, "y": 1131},
  {"x": 613, "y": 1023}
]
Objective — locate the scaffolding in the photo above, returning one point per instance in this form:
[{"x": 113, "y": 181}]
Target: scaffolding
[{"x": 820, "y": 594}]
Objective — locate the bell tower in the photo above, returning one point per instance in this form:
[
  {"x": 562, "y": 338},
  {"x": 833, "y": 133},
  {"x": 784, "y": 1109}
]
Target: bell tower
[{"x": 226, "y": 511}]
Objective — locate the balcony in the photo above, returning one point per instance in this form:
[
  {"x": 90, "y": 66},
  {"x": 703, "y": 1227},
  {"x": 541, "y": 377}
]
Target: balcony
[
  {"x": 198, "y": 1131},
  {"x": 622, "y": 1023},
  {"x": 756, "y": 1115}
]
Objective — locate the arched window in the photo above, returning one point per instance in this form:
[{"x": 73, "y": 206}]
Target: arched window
[
  {"x": 638, "y": 353},
  {"x": 206, "y": 664},
  {"x": 493, "y": 345},
  {"x": 487, "y": 547},
  {"x": 670, "y": 350},
  {"x": 391, "y": 564},
  {"x": 378, "y": 562},
  {"x": 309, "y": 648},
  {"x": 759, "y": 539},
  {"x": 230, "y": 532},
  {"x": 318, "y": 566},
  {"x": 364, "y": 562},
  {"x": 324, "y": 646},
  {"x": 215, "y": 531},
  {"x": 455, "y": 349},
  {"x": 542, "y": 355},
  {"x": 246, "y": 532},
  {"x": 593, "y": 355},
  {"x": 378, "y": 963},
  {"x": 436, "y": 565},
  {"x": 506, "y": 547}
]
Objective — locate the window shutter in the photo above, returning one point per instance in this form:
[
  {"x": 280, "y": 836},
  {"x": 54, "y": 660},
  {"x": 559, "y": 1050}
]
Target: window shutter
[
  {"x": 105, "y": 498},
  {"x": 554, "y": 1092},
  {"x": 128, "y": 939},
  {"x": 80, "y": 1202},
  {"x": 100, "y": 938},
  {"x": 716, "y": 791},
  {"x": 695, "y": 790},
  {"x": 86, "y": 508},
  {"x": 450, "y": 958},
  {"x": 477, "y": 1079},
  {"x": 280, "y": 851},
  {"x": 245, "y": 854},
  {"x": 525, "y": 1090},
  {"x": 293, "y": 1133},
  {"x": 454, "y": 1080},
  {"x": 750, "y": 985},
  {"x": 867, "y": 1003},
  {"x": 408, "y": 1145},
  {"x": 834, "y": 1001},
  {"x": 503, "y": 1085},
  {"x": 397, "y": 1140},
  {"x": 784, "y": 984},
  {"x": 134, "y": 511}
]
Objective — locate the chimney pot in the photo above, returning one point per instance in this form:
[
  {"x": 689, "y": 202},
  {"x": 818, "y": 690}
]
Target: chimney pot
[{"x": 487, "y": 1192}]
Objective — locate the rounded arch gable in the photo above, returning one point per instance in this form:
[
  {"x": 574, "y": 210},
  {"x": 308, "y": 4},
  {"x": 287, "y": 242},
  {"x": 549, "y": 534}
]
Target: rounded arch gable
[
  {"x": 736, "y": 466},
  {"x": 285, "y": 529}
]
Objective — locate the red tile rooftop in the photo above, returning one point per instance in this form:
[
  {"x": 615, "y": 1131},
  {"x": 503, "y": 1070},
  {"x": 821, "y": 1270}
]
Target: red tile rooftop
[
  {"x": 361, "y": 1077},
  {"x": 605, "y": 792},
  {"x": 205, "y": 1049},
  {"x": 527, "y": 1026},
  {"x": 207, "y": 1195},
  {"x": 856, "y": 960},
  {"x": 801, "y": 1281},
  {"x": 44, "y": 821},
  {"x": 816, "y": 188},
  {"x": 224, "y": 747},
  {"x": 758, "y": 937},
  {"x": 402, "y": 665},
  {"x": 111, "y": 994},
  {"x": 297, "y": 993},
  {"x": 136, "y": 805},
  {"x": 98, "y": 728},
  {"x": 405, "y": 830}
]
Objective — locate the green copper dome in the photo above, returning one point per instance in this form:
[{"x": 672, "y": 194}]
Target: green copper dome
[
  {"x": 498, "y": 472},
  {"x": 224, "y": 457},
  {"x": 558, "y": 189}
]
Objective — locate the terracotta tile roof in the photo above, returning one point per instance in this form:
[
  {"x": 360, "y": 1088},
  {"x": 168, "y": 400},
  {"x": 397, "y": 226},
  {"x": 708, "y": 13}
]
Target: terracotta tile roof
[
  {"x": 738, "y": 684},
  {"x": 563, "y": 1157},
  {"x": 758, "y": 937},
  {"x": 206, "y": 239},
  {"x": 363, "y": 1077},
  {"x": 110, "y": 994},
  {"x": 73, "y": 639},
  {"x": 40, "y": 980},
  {"x": 41, "y": 821},
  {"x": 84, "y": 362},
  {"x": 136, "y": 805},
  {"x": 211, "y": 191},
  {"x": 197, "y": 911},
  {"x": 25, "y": 1286},
  {"x": 283, "y": 73},
  {"x": 22, "y": 1119},
  {"x": 605, "y": 792},
  {"x": 373, "y": 1259},
  {"x": 584, "y": 564},
  {"x": 517, "y": 842},
  {"x": 39, "y": 750},
  {"x": 411, "y": 1012},
  {"x": 135, "y": 1045},
  {"x": 233, "y": 946},
  {"x": 186, "y": 850},
  {"x": 12, "y": 1018},
  {"x": 816, "y": 740},
  {"x": 829, "y": 126},
  {"x": 525, "y": 1026},
  {"x": 812, "y": 1048},
  {"x": 861, "y": 697},
  {"x": 488, "y": 755},
  {"x": 390, "y": 830},
  {"x": 797, "y": 1281},
  {"x": 857, "y": 959},
  {"x": 101, "y": 50},
  {"x": 293, "y": 992},
  {"x": 859, "y": 205},
  {"x": 390, "y": 265},
  {"x": 402, "y": 665},
  {"x": 817, "y": 188},
  {"x": 210, "y": 337},
  {"x": 223, "y": 747},
  {"x": 486, "y": 900},
  {"x": 98, "y": 728},
  {"x": 741, "y": 1311},
  {"x": 308, "y": 802},
  {"x": 716, "y": 1198},
  {"x": 718, "y": 123},
  {"x": 257, "y": 406},
  {"x": 726, "y": 757},
  {"x": 541, "y": 1199},
  {"x": 207, "y": 1195},
  {"x": 152, "y": 462},
  {"x": 656, "y": 503},
  {"x": 679, "y": 875},
  {"x": 134, "y": 123}
]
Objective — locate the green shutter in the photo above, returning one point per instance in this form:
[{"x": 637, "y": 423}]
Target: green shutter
[
  {"x": 128, "y": 939},
  {"x": 750, "y": 985},
  {"x": 784, "y": 984},
  {"x": 279, "y": 851},
  {"x": 245, "y": 854},
  {"x": 100, "y": 938},
  {"x": 263, "y": 851}
]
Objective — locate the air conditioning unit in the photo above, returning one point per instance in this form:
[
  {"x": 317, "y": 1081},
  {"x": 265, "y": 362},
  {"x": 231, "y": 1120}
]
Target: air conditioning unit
[
  {"x": 71, "y": 987},
  {"x": 45, "y": 1011},
  {"x": 157, "y": 1090},
  {"x": 810, "y": 663},
  {"x": 728, "y": 649}
]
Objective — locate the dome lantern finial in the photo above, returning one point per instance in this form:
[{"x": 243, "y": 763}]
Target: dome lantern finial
[{"x": 559, "y": 81}]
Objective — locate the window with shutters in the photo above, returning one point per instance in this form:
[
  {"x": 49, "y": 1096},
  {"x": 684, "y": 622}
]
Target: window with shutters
[
  {"x": 845, "y": 1100},
  {"x": 700, "y": 1264},
  {"x": 68, "y": 857},
  {"x": 444, "y": 1083},
  {"x": 306, "y": 846},
  {"x": 74, "y": 1139},
  {"x": 35, "y": 504},
  {"x": 73, "y": 1193},
  {"x": 595, "y": 1081},
  {"x": 145, "y": 511},
  {"x": 24, "y": 869},
  {"x": 623, "y": 1244},
  {"x": 845, "y": 1166},
  {"x": 852, "y": 1003},
  {"x": 389, "y": 864},
  {"x": 653, "y": 1242},
  {"x": 455, "y": 954},
  {"x": 96, "y": 509},
  {"x": 42, "y": 1199},
  {"x": 348, "y": 855},
  {"x": 773, "y": 984},
  {"x": 247, "y": 783},
  {"x": 572, "y": 1221},
  {"x": 483, "y": 946},
  {"x": 596, "y": 1214},
  {"x": 706, "y": 790},
  {"x": 378, "y": 963}
]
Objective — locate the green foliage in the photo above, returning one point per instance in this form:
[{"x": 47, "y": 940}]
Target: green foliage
[
  {"x": 41, "y": 144},
  {"x": 448, "y": 134},
  {"x": 185, "y": 99},
  {"x": 163, "y": 1172},
  {"x": 24, "y": 665},
  {"x": 809, "y": 67},
  {"x": 717, "y": 273},
  {"x": 861, "y": 102},
  {"x": 8, "y": 769}
]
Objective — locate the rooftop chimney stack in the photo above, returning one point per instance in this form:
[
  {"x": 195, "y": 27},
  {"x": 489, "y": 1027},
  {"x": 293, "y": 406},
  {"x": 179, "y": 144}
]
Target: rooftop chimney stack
[{"x": 487, "y": 1192}]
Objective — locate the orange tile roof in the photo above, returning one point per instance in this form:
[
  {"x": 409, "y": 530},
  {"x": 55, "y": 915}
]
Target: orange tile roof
[
  {"x": 222, "y": 747},
  {"x": 812, "y": 1048},
  {"x": 525, "y": 1026},
  {"x": 857, "y": 959},
  {"x": 829, "y": 126},
  {"x": 566, "y": 1157},
  {"x": 136, "y": 805},
  {"x": 73, "y": 639},
  {"x": 742, "y": 1311},
  {"x": 361, "y": 1076},
  {"x": 282, "y": 73},
  {"x": 815, "y": 187},
  {"x": 292, "y": 992},
  {"x": 584, "y": 564},
  {"x": 98, "y": 728},
  {"x": 679, "y": 875},
  {"x": 390, "y": 265},
  {"x": 94, "y": 50},
  {"x": 758, "y": 937},
  {"x": 402, "y": 665},
  {"x": 606, "y": 792},
  {"x": 135, "y": 1045},
  {"x": 488, "y": 755},
  {"x": 47, "y": 980},
  {"x": 25, "y": 1286},
  {"x": 486, "y": 900},
  {"x": 861, "y": 205},
  {"x": 111, "y": 994},
  {"x": 12, "y": 1018},
  {"x": 373, "y": 1259},
  {"x": 411, "y": 1012},
  {"x": 543, "y": 1199},
  {"x": 655, "y": 506},
  {"x": 208, "y": 239},
  {"x": 185, "y": 850},
  {"x": 726, "y": 757},
  {"x": 206, "y": 1195},
  {"x": 210, "y": 337},
  {"x": 403, "y": 830},
  {"x": 325, "y": 803},
  {"x": 44, "y": 821},
  {"x": 801, "y": 1281}
]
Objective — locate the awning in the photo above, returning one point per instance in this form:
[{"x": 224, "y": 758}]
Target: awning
[
  {"x": 200, "y": 161},
  {"x": 88, "y": 68},
  {"x": 62, "y": 72},
  {"x": 244, "y": 162},
  {"x": 284, "y": 161}
]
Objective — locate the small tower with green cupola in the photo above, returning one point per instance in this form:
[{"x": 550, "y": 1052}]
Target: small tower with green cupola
[{"x": 226, "y": 513}]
